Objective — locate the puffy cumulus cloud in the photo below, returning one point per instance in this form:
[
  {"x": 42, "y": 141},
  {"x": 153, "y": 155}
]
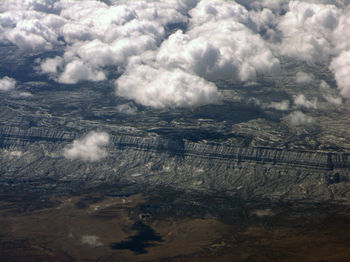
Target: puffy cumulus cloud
[
  {"x": 77, "y": 70},
  {"x": 304, "y": 78},
  {"x": 127, "y": 109},
  {"x": 47, "y": 6},
  {"x": 216, "y": 10},
  {"x": 263, "y": 212},
  {"x": 93, "y": 241},
  {"x": 89, "y": 148},
  {"x": 301, "y": 101},
  {"x": 220, "y": 44},
  {"x": 51, "y": 65},
  {"x": 7, "y": 83},
  {"x": 298, "y": 118},
  {"x": 341, "y": 34},
  {"x": 32, "y": 34},
  {"x": 160, "y": 88},
  {"x": 329, "y": 94},
  {"x": 282, "y": 106},
  {"x": 100, "y": 35},
  {"x": 274, "y": 5},
  {"x": 335, "y": 100},
  {"x": 318, "y": 32},
  {"x": 30, "y": 25},
  {"x": 341, "y": 68},
  {"x": 218, "y": 40},
  {"x": 307, "y": 31},
  {"x": 222, "y": 50},
  {"x": 93, "y": 32}
]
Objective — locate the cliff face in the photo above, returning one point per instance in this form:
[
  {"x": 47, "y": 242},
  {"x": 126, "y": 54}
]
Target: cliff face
[{"x": 33, "y": 159}]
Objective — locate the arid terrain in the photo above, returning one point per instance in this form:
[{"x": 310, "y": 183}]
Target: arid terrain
[
  {"x": 170, "y": 227},
  {"x": 187, "y": 130}
]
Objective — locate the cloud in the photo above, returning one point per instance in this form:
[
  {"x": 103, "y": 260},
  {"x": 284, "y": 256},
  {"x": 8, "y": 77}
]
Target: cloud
[
  {"x": 160, "y": 88},
  {"x": 298, "y": 118},
  {"x": 93, "y": 241},
  {"x": 318, "y": 32},
  {"x": 282, "y": 106},
  {"x": 274, "y": 5},
  {"x": 224, "y": 50},
  {"x": 128, "y": 109},
  {"x": 31, "y": 35},
  {"x": 304, "y": 78},
  {"x": 263, "y": 212},
  {"x": 341, "y": 68},
  {"x": 89, "y": 148},
  {"x": 29, "y": 25},
  {"x": 7, "y": 83},
  {"x": 307, "y": 31},
  {"x": 99, "y": 36},
  {"x": 330, "y": 94},
  {"x": 301, "y": 101},
  {"x": 77, "y": 70},
  {"x": 220, "y": 44},
  {"x": 51, "y": 65},
  {"x": 189, "y": 42}
]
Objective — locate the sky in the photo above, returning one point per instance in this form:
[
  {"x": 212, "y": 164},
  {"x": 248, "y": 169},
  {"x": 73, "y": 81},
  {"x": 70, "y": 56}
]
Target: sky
[{"x": 172, "y": 54}]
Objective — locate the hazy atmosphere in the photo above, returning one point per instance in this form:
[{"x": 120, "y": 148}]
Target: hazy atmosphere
[{"x": 138, "y": 124}]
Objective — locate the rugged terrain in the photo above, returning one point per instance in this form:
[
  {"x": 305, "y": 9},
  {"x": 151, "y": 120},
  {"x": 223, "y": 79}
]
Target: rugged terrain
[{"x": 236, "y": 148}]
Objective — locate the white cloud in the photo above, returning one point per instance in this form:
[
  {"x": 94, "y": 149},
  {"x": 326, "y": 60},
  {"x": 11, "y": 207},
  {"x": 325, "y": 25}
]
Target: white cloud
[
  {"x": 341, "y": 68},
  {"x": 89, "y": 148},
  {"x": 307, "y": 31},
  {"x": 208, "y": 11},
  {"x": 220, "y": 44},
  {"x": 298, "y": 118},
  {"x": 274, "y": 5},
  {"x": 51, "y": 65},
  {"x": 318, "y": 32},
  {"x": 29, "y": 30},
  {"x": 160, "y": 88},
  {"x": 99, "y": 35},
  {"x": 304, "y": 78},
  {"x": 335, "y": 100},
  {"x": 263, "y": 212},
  {"x": 76, "y": 71},
  {"x": 222, "y": 40},
  {"x": 7, "y": 83},
  {"x": 282, "y": 106},
  {"x": 329, "y": 94},
  {"x": 128, "y": 109},
  {"x": 93, "y": 241},
  {"x": 301, "y": 101},
  {"x": 341, "y": 34}
]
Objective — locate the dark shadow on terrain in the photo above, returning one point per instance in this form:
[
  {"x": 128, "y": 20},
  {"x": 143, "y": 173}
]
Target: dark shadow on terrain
[
  {"x": 138, "y": 243},
  {"x": 230, "y": 112},
  {"x": 195, "y": 134}
]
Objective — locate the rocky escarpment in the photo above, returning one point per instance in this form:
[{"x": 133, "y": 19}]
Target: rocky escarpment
[
  {"x": 13, "y": 136},
  {"x": 33, "y": 155}
]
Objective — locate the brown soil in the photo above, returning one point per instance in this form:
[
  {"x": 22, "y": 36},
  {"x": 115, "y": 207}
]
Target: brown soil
[{"x": 83, "y": 228}]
